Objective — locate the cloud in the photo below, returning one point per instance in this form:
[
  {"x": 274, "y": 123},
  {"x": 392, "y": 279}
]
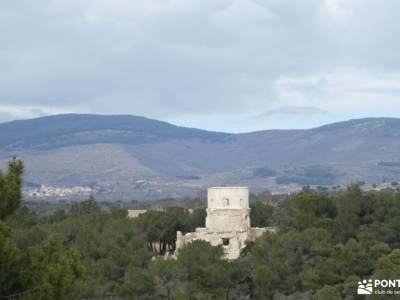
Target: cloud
[
  {"x": 9, "y": 113},
  {"x": 293, "y": 111},
  {"x": 353, "y": 92},
  {"x": 174, "y": 59},
  {"x": 6, "y": 116}
]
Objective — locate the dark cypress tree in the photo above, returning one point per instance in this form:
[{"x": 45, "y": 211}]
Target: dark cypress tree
[{"x": 10, "y": 187}]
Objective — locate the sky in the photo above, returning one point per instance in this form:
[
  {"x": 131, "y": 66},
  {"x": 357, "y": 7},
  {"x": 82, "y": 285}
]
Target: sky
[{"x": 223, "y": 65}]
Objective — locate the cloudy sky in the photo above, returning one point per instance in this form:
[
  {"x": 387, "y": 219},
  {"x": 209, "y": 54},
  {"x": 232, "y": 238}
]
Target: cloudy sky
[{"x": 229, "y": 65}]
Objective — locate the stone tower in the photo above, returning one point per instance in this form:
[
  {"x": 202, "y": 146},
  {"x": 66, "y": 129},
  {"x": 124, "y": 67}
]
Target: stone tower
[
  {"x": 227, "y": 221},
  {"x": 228, "y": 209}
]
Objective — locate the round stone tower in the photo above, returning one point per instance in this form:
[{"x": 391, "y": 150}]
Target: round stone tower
[{"x": 228, "y": 209}]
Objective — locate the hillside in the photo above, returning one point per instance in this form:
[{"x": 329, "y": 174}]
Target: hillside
[
  {"x": 128, "y": 157},
  {"x": 80, "y": 129}
]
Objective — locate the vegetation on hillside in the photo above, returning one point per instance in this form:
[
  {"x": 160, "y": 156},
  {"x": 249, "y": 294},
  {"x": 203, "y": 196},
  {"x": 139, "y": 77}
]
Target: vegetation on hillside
[{"x": 324, "y": 244}]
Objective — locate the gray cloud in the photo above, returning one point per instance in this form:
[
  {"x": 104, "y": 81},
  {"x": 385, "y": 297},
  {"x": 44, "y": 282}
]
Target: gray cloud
[
  {"x": 20, "y": 113},
  {"x": 294, "y": 111},
  {"x": 173, "y": 59},
  {"x": 6, "y": 116}
]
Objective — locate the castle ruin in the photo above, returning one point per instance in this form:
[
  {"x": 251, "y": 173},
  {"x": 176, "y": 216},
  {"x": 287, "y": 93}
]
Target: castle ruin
[{"x": 227, "y": 222}]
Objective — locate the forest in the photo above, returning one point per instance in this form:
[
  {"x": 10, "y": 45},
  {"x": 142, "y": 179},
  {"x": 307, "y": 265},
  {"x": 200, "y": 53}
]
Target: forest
[{"x": 325, "y": 242}]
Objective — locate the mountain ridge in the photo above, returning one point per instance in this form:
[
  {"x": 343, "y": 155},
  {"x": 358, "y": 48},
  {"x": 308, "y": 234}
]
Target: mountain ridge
[
  {"x": 125, "y": 122},
  {"x": 32, "y": 130},
  {"x": 114, "y": 153}
]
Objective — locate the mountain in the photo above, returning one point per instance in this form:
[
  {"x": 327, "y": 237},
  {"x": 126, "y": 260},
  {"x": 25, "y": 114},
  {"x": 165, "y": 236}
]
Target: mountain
[
  {"x": 80, "y": 129},
  {"x": 129, "y": 157}
]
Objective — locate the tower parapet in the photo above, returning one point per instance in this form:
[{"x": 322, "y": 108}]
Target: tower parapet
[{"x": 228, "y": 197}]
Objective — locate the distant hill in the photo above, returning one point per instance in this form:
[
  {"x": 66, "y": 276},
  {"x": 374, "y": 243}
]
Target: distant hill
[
  {"x": 128, "y": 157},
  {"x": 80, "y": 129}
]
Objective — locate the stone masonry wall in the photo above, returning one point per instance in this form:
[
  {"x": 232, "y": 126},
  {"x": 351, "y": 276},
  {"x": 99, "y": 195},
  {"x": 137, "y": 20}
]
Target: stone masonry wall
[{"x": 227, "y": 222}]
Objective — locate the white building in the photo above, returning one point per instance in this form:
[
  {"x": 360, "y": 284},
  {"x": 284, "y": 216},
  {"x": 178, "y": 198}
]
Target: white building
[{"x": 227, "y": 222}]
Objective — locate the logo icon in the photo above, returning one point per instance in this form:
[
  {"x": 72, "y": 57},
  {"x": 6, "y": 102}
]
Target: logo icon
[{"x": 365, "y": 287}]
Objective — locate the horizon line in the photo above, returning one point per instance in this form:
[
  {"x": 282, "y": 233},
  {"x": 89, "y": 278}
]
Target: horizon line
[{"x": 197, "y": 128}]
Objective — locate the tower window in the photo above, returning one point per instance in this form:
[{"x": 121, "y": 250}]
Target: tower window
[
  {"x": 225, "y": 202},
  {"x": 225, "y": 241}
]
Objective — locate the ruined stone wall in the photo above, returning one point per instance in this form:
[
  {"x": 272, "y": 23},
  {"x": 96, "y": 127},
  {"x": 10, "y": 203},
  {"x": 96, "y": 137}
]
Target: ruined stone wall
[{"x": 227, "y": 222}]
